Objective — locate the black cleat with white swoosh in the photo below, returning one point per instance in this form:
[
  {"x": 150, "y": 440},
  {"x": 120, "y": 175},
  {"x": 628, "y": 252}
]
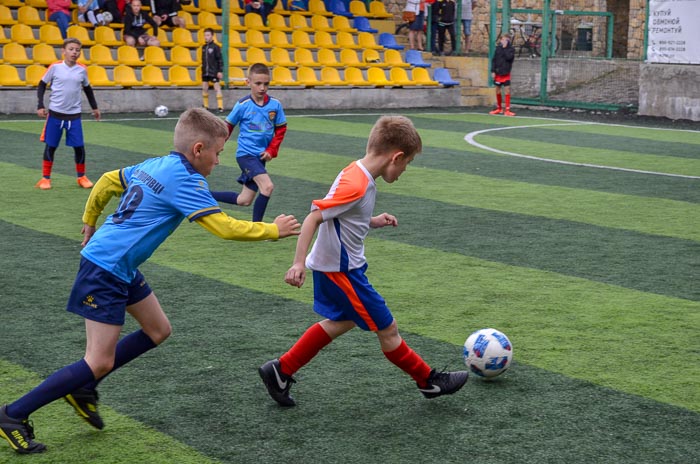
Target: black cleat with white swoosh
[
  {"x": 444, "y": 383},
  {"x": 277, "y": 383}
]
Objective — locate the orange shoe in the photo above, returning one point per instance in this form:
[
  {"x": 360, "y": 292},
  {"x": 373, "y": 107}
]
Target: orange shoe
[
  {"x": 508, "y": 113},
  {"x": 43, "y": 184},
  {"x": 84, "y": 182},
  {"x": 496, "y": 111}
]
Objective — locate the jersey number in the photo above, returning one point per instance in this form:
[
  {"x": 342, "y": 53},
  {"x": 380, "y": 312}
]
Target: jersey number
[{"x": 127, "y": 207}]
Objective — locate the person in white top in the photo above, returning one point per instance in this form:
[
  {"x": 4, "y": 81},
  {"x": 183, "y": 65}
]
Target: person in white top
[
  {"x": 342, "y": 294},
  {"x": 467, "y": 17}
]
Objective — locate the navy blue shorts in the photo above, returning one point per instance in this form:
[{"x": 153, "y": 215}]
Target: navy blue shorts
[
  {"x": 100, "y": 296},
  {"x": 343, "y": 296},
  {"x": 251, "y": 166},
  {"x": 53, "y": 130}
]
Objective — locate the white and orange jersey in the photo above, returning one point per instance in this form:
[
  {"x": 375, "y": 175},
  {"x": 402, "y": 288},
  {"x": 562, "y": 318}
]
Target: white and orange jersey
[{"x": 347, "y": 211}]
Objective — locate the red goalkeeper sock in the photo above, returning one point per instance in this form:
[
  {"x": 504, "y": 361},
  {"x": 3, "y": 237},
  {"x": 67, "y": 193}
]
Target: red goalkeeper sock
[
  {"x": 507, "y": 101},
  {"x": 410, "y": 362},
  {"x": 303, "y": 351},
  {"x": 46, "y": 169},
  {"x": 499, "y": 99}
]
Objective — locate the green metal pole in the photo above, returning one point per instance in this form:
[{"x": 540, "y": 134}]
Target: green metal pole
[
  {"x": 458, "y": 28},
  {"x": 429, "y": 29},
  {"x": 553, "y": 35},
  {"x": 505, "y": 18},
  {"x": 646, "y": 33},
  {"x": 611, "y": 23},
  {"x": 492, "y": 36},
  {"x": 225, "y": 39},
  {"x": 544, "y": 50}
]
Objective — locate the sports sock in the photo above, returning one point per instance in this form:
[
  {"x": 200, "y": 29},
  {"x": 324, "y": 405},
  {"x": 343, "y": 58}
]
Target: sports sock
[
  {"x": 129, "y": 348},
  {"x": 410, "y": 362},
  {"x": 46, "y": 169},
  {"x": 507, "y": 101},
  {"x": 303, "y": 351},
  {"x": 205, "y": 100},
  {"x": 499, "y": 99},
  {"x": 57, "y": 385},
  {"x": 259, "y": 207},
  {"x": 220, "y": 102},
  {"x": 80, "y": 169},
  {"x": 226, "y": 197}
]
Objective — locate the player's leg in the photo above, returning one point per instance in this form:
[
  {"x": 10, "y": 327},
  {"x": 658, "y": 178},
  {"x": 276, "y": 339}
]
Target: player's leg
[
  {"x": 265, "y": 188},
  {"x": 507, "y": 111},
  {"x": 219, "y": 97},
  {"x": 205, "y": 94},
  {"x": 51, "y": 136},
  {"x": 499, "y": 99},
  {"x": 74, "y": 138}
]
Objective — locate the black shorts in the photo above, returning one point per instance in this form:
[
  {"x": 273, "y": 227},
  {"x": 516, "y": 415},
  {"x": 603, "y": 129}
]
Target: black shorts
[
  {"x": 168, "y": 22},
  {"x": 213, "y": 79}
]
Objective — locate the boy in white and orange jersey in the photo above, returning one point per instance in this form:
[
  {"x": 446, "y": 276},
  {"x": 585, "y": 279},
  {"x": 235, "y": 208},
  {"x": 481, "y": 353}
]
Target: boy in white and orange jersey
[{"x": 342, "y": 293}]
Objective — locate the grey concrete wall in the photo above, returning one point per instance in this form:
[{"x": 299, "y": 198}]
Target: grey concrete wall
[
  {"x": 671, "y": 91},
  {"x": 179, "y": 99}
]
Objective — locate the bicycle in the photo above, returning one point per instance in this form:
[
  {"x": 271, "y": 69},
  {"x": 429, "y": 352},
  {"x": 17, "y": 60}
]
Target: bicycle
[{"x": 530, "y": 37}]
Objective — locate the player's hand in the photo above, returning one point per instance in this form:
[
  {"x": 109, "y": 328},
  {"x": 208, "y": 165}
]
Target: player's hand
[
  {"x": 265, "y": 156},
  {"x": 287, "y": 225},
  {"x": 219, "y": 76},
  {"x": 296, "y": 275},
  {"x": 383, "y": 220},
  {"x": 42, "y": 113},
  {"x": 97, "y": 115},
  {"x": 88, "y": 232}
]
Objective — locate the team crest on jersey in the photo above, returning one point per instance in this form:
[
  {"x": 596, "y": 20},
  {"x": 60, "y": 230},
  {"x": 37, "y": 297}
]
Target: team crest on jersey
[{"x": 272, "y": 115}]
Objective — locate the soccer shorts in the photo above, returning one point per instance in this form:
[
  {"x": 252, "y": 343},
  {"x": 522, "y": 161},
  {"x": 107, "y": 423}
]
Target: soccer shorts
[
  {"x": 502, "y": 80},
  {"x": 251, "y": 166},
  {"x": 212, "y": 79},
  {"x": 100, "y": 296},
  {"x": 343, "y": 296},
  {"x": 53, "y": 130}
]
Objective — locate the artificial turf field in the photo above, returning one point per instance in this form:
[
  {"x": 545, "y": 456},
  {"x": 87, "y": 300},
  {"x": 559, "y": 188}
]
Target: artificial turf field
[{"x": 591, "y": 268}]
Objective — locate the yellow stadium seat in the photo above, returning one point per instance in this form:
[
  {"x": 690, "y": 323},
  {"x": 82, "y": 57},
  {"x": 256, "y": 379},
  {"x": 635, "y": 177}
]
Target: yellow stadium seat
[
  {"x": 33, "y": 73},
  {"x": 349, "y": 58},
  {"x": 3, "y": 38},
  {"x": 50, "y": 34},
  {"x": 341, "y": 23},
  {"x": 400, "y": 77},
  {"x": 153, "y": 76},
  {"x": 30, "y": 16},
  {"x": 298, "y": 22},
  {"x": 366, "y": 40},
  {"x": 82, "y": 34},
  {"x": 76, "y": 20},
  {"x": 331, "y": 76},
  {"x": 44, "y": 54},
  {"x": 279, "y": 9},
  {"x": 421, "y": 77},
  {"x": 82, "y": 59},
  {"x": 209, "y": 5},
  {"x": 282, "y": 76},
  {"x": 254, "y": 21},
  {"x": 235, "y": 58},
  {"x": 377, "y": 77},
  {"x": 317, "y": 7},
  {"x": 320, "y": 23},
  {"x": 236, "y": 76},
  {"x": 276, "y": 22},
  {"x": 126, "y": 76},
  {"x": 378, "y": 10},
  {"x": 307, "y": 76},
  {"x": 97, "y": 75},
  {"x": 163, "y": 37},
  {"x": 9, "y": 77},
  {"x": 327, "y": 57},
  {"x": 394, "y": 59},
  {"x": 6, "y": 18},
  {"x": 180, "y": 76},
  {"x": 371, "y": 58},
  {"x": 207, "y": 19},
  {"x": 14, "y": 53},
  {"x": 353, "y": 76},
  {"x": 155, "y": 56},
  {"x": 358, "y": 8},
  {"x": 22, "y": 34},
  {"x": 234, "y": 22},
  {"x": 304, "y": 57},
  {"x": 323, "y": 39},
  {"x": 189, "y": 21},
  {"x": 190, "y": 7},
  {"x": 256, "y": 55},
  {"x": 37, "y": 3},
  {"x": 279, "y": 39},
  {"x": 346, "y": 40},
  {"x": 183, "y": 57},
  {"x": 301, "y": 39},
  {"x": 183, "y": 37},
  {"x": 129, "y": 56},
  {"x": 102, "y": 55},
  {"x": 105, "y": 36},
  {"x": 13, "y": 3},
  {"x": 279, "y": 57},
  {"x": 255, "y": 38}
]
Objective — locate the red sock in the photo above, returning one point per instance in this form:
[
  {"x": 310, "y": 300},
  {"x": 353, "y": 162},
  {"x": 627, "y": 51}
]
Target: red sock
[
  {"x": 410, "y": 362},
  {"x": 46, "y": 169},
  {"x": 499, "y": 99},
  {"x": 507, "y": 101},
  {"x": 80, "y": 169},
  {"x": 303, "y": 351}
]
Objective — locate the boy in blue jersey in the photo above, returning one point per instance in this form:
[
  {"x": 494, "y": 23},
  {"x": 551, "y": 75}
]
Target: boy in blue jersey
[
  {"x": 156, "y": 195},
  {"x": 262, "y": 128}
]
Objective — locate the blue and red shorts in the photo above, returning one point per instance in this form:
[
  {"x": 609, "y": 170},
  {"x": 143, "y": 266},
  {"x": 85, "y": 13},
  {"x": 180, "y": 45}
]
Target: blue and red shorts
[
  {"x": 500, "y": 80},
  {"x": 53, "y": 130}
]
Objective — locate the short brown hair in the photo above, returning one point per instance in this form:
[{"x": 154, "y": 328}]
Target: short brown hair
[
  {"x": 258, "y": 68},
  {"x": 72, "y": 40},
  {"x": 198, "y": 125},
  {"x": 394, "y": 132}
]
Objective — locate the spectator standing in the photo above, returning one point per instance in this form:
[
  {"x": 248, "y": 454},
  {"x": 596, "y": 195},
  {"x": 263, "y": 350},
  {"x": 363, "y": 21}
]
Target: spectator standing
[
  {"x": 446, "y": 24},
  {"x": 414, "y": 14},
  {"x": 467, "y": 17},
  {"x": 501, "y": 65}
]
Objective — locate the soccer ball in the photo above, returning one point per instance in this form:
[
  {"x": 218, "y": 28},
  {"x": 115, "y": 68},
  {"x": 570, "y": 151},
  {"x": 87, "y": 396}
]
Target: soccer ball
[
  {"x": 107, "y": 17},
  {"x": 488, "y": 353},
  {"x": 161, "y": 111}
]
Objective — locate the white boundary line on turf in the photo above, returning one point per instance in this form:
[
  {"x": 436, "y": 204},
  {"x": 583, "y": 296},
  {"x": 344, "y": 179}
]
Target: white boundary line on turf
[{"x": 469, "y": 138}]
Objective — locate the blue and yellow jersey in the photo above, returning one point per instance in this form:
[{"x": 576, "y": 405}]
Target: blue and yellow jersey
[{"x": 257, "y": 124}]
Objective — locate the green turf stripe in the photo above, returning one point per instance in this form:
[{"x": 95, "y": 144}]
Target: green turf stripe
[{"x": 69, "y": 439}]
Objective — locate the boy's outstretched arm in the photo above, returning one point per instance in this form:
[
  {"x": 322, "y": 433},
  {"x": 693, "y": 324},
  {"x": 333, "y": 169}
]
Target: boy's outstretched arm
[
  {"x": 296, "y": 274},
  {"x": 383, "y": 220},
  {"x": 229, "y": 228}
]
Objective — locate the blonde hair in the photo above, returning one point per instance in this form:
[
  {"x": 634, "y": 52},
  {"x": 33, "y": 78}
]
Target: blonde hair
[
  {"x": 394, "y": 132},
  {"x": 198, "y": 125}
]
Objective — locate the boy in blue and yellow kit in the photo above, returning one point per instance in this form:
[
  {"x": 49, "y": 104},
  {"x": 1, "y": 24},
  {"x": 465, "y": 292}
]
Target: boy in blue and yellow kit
[
  {"x": 262, "y": 127},
  {"x": 156, "y": 196}
]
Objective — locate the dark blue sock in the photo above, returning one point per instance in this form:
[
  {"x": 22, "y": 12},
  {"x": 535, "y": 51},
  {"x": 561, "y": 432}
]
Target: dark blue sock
[
  {"x": 259, "y": 207},
  {"x": 129, "y": 348},
  {"x": 226, "y": 197},
  {"x": 57, "y": 385}
]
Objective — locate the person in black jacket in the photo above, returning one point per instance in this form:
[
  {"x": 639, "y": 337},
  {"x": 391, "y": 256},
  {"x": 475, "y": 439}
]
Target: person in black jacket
[
  {"x": 135, "y": 21},
  {"x": 165, "y": 13},
  {"x": 501, "y": 65},
  {"x": 212, "y": 70},
  {"x": 446, "y": 23}
]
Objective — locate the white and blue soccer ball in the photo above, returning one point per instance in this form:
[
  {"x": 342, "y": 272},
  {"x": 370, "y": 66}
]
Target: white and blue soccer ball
[
  {"x": 161, "y": 111},
  {"x": 488, "y": 353}
]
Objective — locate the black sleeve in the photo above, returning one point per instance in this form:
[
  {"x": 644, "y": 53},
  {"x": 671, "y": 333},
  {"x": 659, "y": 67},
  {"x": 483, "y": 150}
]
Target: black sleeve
[
  {"x": 40, "y": 90},
  {"x": 509, "y": 53},
  {"x": 90, "y": 96},
  {"x": 219, "y": 60},
  {"x": 152, "y": 22}
]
